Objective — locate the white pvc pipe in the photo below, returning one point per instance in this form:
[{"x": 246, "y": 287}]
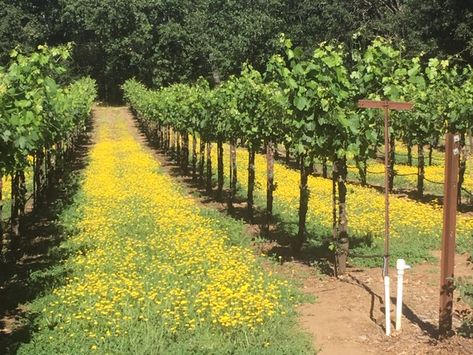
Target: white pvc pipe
[
  {"x": 387, "y": 305},
  {"x": 400, "y": 266}
]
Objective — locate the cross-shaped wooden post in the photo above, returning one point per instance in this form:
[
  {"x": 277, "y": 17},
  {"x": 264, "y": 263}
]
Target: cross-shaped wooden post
[{"x": 386, "y": 106}]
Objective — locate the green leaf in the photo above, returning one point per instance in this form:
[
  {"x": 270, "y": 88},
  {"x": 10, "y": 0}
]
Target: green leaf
[{"x": 300, "y": 102}]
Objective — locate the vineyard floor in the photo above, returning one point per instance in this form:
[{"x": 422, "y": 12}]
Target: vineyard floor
[{"x": 348, "y": 317}]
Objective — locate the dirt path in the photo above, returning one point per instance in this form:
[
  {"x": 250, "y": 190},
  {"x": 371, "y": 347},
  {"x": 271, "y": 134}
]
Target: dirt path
[{"x": 348, "y": 316}]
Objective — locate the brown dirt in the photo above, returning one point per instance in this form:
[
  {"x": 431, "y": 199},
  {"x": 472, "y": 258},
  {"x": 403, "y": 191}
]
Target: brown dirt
[{"x": 348, "y": 315}]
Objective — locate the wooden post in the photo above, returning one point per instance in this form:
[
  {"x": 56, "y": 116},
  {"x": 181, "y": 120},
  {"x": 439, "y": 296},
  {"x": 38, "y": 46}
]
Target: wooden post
[{"x": 447, "y": 260}]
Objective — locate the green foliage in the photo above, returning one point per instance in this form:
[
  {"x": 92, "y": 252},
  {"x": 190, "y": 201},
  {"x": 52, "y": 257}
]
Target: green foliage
[
  {"x": 323, "y": 121},
  {"x": 262, "y": 108},
  {"x": 243, "y": 107},
  {"x": 466, "y": 293},
  {"x": 35, "y": 111}
]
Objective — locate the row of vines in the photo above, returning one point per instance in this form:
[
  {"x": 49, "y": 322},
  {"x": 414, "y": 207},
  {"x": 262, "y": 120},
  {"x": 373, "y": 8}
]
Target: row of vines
[
  {"x": 308, "y": 103},
  {"x": 41, "y": 117}
]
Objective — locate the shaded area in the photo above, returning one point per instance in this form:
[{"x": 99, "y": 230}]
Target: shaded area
[
  {"x": 40, "y": 233},
  {"x": 428, "y": 328}
]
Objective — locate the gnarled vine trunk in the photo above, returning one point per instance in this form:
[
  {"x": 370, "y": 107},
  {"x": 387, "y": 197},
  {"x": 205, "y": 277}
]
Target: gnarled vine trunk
[
  {"x": 270, "y": 181},
  {"x": 251, "y": 182},
  {"x": 194, "y": 157},
  {"x": 342, "y": 230},
  {"x": 219, "y": 168},
  {"x": 420, "y": 170},
  {"x": 15, "y": 211},
  {"x": 48, "y": 169},
  {"x": 409, "y": 154},
  {"x": 431, "y": 151},
  {"x": 167, "y": 145},
  {"x": 185, "y": 152},
  {"x": 324, "y": 168},
  {"x": 334, "y": 216},
  {"x": 299, "y": 240},
  {"x": 209, "y": 167},
  {"x": 178, "y": 148},
  {"x": 202, "y": 160},
  {"x": 462, "y": 168},
  {"x": 233, "y": 173},
  {"x": 172, "y": 143},
  {"x": 288, "y": 153},
  {"x": 1, "y": 213},
  {"x": 362, "y": 169}
]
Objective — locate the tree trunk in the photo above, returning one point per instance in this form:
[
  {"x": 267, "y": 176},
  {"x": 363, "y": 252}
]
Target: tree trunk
[
  {"x": 431, "y": 150},
  {"x": 324, "y": 168},
  {"x": 202, "y": 159},
  {"x": 162, "y": 138},
  {"x": 251, "y": 182},
  {"x": 299, "y": 240},
  {"x": 38, "y": 177},
  {"x": 209, "y": 167},
  {"x": 48, "y": 168},
  {"x": 21, "y": 193},
  {"x": 461, "y": 171},
  {"x": 172, "y": 139},
  {"x": 194, "y": 157},
  {"x": 157, "y": 135},
  {"x": 58, "y": 155},
  {"x": 409, "y": 154},
  {"x": 342, "y": 237},
  {"x": 335, "y": 217},
  {"x": 1, "y": 214},
  {"x": 233, "y": 173},
  {"x": 288, "y": 154},
  {"x": 167, "y": 139},
  {"x": 470, "y": 151},
  {"x": 185, "y": 152},
  {"x": 219, "y": 168},
  {"x": 420, "y": 171},
  {"x": 392, "y": 161},
  {"x": 270, "y": 181},
  {"x": 14, "y": 215},
  {"x": 178, "y": 148},
  {"x": 361, "y": 166}
]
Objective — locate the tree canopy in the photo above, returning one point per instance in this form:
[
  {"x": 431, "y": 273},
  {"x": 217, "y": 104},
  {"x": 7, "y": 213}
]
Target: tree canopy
[{"x": 162, "y": 42}]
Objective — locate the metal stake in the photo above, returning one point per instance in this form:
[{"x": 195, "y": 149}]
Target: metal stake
[
  {"x": 386, "y": 106},
  {"x": 386, "y": 189}
]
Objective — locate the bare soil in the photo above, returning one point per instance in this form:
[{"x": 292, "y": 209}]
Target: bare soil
[{"x": 348, "y": 316}]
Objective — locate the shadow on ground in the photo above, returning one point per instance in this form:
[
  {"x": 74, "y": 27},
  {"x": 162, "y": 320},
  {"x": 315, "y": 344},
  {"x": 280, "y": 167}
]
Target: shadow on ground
[{"x": 39, "y": 233}]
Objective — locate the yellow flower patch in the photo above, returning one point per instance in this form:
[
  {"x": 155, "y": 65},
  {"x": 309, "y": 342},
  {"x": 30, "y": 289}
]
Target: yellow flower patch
[
  {"x": 149, "y": 254},
  {"x": 365, "y": 205}
]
